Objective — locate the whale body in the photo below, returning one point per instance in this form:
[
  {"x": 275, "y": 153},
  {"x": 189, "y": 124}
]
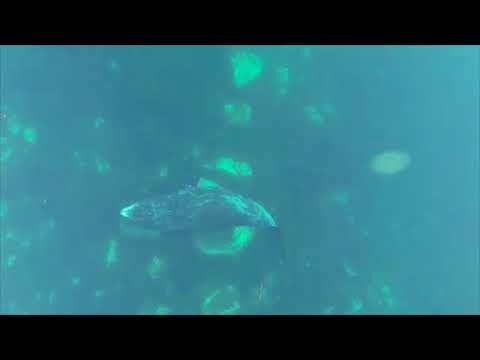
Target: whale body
[{"x": 197, "y": 208}]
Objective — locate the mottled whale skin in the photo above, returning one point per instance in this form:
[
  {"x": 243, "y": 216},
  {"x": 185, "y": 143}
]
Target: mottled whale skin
[{"x": 194, "y": 207}]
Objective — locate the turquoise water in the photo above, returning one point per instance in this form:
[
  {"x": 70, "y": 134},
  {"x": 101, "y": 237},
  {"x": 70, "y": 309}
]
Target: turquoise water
[{"x": 366, "y": 157}]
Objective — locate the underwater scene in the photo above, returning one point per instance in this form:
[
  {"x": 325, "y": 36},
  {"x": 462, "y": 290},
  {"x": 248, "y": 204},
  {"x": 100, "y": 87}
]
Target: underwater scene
[{"x": 236, "y": 179}]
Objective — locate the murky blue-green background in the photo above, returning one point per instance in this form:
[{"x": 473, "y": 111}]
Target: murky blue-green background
[{"x": 87, "y": 130}]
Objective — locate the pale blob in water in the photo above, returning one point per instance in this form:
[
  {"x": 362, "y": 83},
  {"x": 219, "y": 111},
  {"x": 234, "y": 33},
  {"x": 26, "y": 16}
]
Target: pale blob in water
[{"x": 390, "y": 162}]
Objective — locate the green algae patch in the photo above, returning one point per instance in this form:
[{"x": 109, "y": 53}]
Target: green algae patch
[
  {"x": 238, "y": 114},
  {"x": 220, "y": 243},
  {"x": 221, "y": 301},
  {"x": 246, "y": 67},
  {"x": 111, "y": 257},
  {"x": 30, "y": 135}
]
